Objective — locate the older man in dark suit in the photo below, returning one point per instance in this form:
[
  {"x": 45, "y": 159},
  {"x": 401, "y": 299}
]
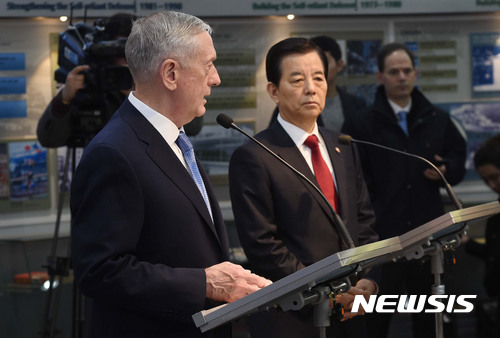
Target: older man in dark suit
[
  {"x": 283, "y": 223},
  {"x": 149, "y": 243}
]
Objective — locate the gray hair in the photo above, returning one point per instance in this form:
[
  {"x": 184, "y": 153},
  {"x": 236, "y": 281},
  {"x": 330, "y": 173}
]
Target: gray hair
[{"x": 159, "y": 36}]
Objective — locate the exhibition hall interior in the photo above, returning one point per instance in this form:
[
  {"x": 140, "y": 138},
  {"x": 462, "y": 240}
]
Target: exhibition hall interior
[{"x": 456, "y": 48}]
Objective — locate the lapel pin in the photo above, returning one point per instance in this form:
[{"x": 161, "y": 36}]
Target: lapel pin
[{"x": 337, "y": 150}]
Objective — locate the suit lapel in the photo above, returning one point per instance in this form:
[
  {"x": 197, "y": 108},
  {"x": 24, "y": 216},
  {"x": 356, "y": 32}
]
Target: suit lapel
[{"x": 163, "y": 156}]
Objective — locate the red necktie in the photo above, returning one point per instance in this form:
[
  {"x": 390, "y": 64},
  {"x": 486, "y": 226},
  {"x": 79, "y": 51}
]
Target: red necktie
[{"x": 323, "y": 174}]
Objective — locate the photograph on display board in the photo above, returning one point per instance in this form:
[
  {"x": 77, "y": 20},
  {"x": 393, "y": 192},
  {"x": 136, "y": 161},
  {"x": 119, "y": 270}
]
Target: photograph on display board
[
  {"x": 362, "y": 56},
  {"x": 479, "y": 121},
  {"x": 27, "y": 171},
  {"x": 24, "y": 179},
  {"x": 485, "y": 59}
]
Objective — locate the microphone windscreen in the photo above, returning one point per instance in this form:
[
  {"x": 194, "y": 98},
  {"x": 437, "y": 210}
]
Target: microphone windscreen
[
  {"x": 345, "y": 139},
  {"x": 193, "y": 128},
  {"x": 224, "y": 120}
]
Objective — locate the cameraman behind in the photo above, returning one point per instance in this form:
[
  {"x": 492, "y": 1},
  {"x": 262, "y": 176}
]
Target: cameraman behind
[{"x": 58, "y": 124}]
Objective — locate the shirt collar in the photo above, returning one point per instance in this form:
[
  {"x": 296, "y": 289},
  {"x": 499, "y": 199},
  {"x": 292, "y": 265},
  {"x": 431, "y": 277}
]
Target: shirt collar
[
  {"x": 297, "y": 134},
  {"x": 396, "y": 108},
  {"x": 162, "y": 124}
]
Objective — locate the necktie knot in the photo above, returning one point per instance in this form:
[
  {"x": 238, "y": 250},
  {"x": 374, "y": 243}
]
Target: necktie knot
[
  {"x": 312, "y": 141},
  {"x": 402, "y": 121},
  {"x": 322, "y": 172},
  {"x": 184, "y": 143}
]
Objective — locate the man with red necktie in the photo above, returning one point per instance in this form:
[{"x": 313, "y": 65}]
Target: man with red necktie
[{"x": 283, "y": 223}]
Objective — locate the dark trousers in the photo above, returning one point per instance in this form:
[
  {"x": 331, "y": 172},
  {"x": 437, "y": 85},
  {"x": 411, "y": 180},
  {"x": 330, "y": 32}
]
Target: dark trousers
[{"x": 404, "y": 277}]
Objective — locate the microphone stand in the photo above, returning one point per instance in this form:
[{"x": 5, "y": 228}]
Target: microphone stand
[{"x": 436, "y": 249}]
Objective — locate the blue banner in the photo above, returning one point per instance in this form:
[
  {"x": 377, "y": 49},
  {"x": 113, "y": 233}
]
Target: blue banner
[
  {"x": 12, "y": 61},
  {"x": 13, "y": 109},
  {"x": 13, "y": 85}
]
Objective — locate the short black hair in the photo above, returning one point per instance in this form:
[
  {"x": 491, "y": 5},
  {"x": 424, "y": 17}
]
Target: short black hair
[
  {"x": 328, "y": 44},
  {"x": 287, "y": 47},
  {"x": 488, "y": 153},
  {"x": 390, "y": 48},
  {"x": 119, "y": 26}
]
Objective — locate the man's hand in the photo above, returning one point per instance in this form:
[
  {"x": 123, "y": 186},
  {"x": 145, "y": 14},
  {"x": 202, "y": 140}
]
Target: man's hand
[
  {"x": 229, "y": 282},
  {"x": 74, "y": 82},
  {"x": 431, "y": 174},
  {"x": 363, "y": 287}
]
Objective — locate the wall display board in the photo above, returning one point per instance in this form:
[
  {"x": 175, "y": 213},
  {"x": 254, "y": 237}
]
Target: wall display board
[
  {"x": 54, "y": 8},
  {"x": 441, "y": 58},
  {"x": 455, "y": 59},
  {"x": 25, "y": 74}
]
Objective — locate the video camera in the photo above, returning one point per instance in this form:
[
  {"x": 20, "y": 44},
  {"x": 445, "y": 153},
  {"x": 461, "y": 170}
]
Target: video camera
[{"x": 83, "y": 44}]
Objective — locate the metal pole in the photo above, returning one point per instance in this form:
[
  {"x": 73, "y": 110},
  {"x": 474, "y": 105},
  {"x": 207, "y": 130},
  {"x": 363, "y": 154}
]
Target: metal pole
[
  {"x": 322, "y": 310},
  {"x": 437, "y": 267}
]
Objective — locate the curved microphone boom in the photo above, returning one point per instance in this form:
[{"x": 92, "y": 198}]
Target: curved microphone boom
[
  {"x": 347, "y": 140},
  {"x": 227, "y": 123}
]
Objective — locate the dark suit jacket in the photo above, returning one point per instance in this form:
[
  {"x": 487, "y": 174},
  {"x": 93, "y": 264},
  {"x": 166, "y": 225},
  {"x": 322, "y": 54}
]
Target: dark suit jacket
[
  {"x": 283, "y": 223},
  {"x": 141, "y": 234}
]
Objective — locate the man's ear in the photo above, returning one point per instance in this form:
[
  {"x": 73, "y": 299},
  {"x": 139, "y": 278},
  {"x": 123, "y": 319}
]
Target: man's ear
[
  {"x": 272, "y": 90},
  {"x": 170, "y": 74},
  {"x": 379, "y": 77},
  {"x": 340, "y": 65}
]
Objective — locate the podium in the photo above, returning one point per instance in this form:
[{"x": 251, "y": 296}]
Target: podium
[{"x": 300, "y": 288}]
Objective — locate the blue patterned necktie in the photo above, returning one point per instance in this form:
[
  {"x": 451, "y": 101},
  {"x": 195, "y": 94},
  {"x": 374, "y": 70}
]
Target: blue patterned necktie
[
  {"x": 188, "y": 152},
  {"x": 402, "y": 121}
]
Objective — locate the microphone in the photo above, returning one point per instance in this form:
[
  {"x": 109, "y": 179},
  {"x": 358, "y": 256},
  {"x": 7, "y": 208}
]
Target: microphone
[
  {"x": 347, "y": 140},
  {"x": 227, "y": 123}
]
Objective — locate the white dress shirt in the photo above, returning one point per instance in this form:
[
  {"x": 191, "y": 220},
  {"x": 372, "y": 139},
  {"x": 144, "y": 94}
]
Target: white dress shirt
[{"x": 396, "y": 108}]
